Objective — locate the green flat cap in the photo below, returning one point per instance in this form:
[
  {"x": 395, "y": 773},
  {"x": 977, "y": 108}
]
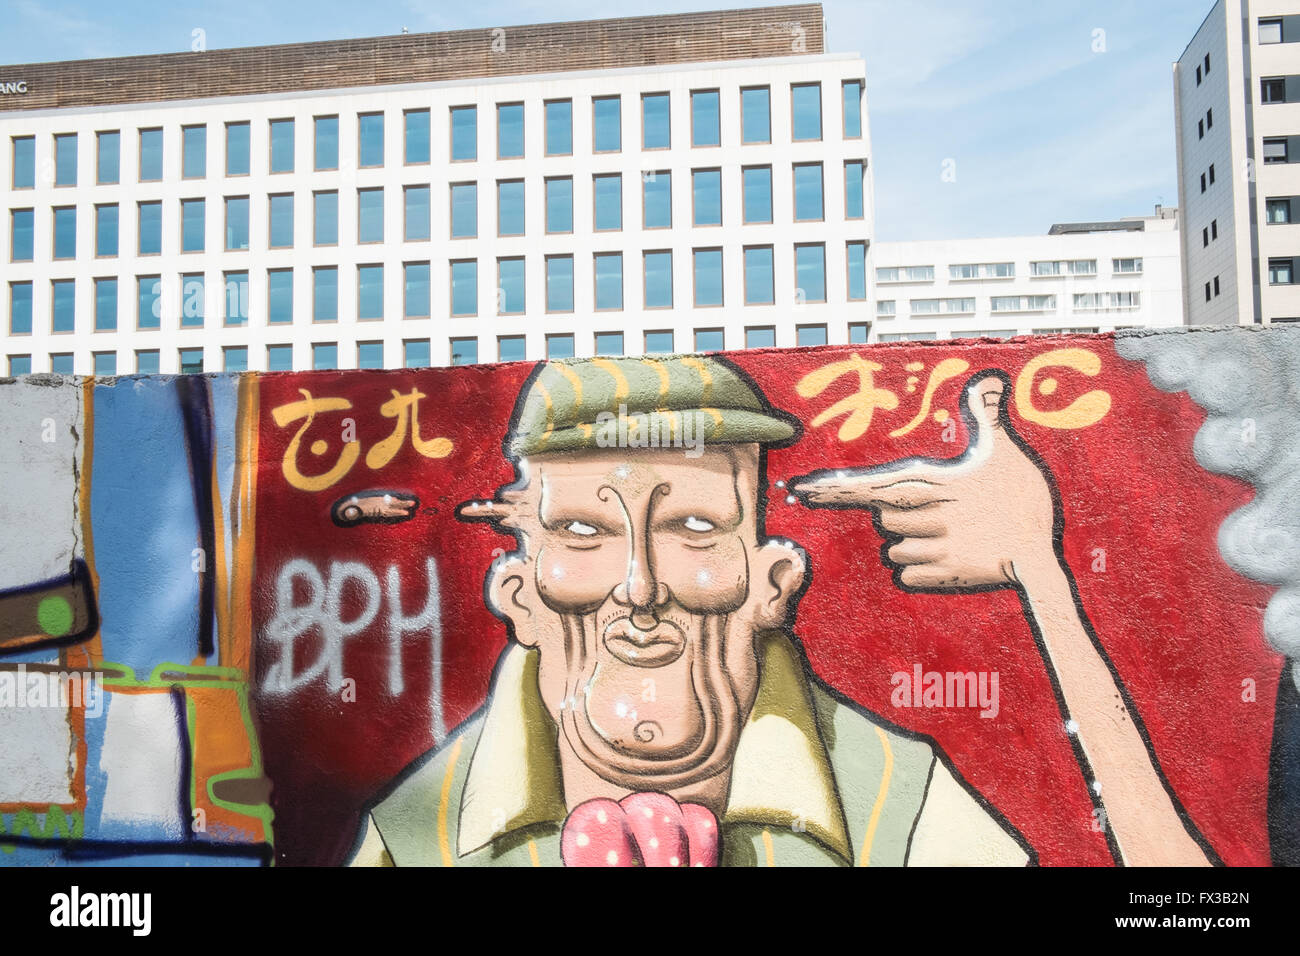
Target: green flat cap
[{"x": 669, "y": 401}]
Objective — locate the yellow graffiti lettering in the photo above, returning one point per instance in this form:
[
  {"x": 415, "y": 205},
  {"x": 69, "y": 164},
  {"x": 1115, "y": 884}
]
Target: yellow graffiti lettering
[
  {"x": 860, "y": 406},
  {"x": 948, "y": 368},
  {"x": 308, "y": 408},
  {"x": 404, "y": 408},
  {"x": 1087, "y": 409}
]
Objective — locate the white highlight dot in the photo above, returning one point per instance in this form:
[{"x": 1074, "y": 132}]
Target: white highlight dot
[
  {"x": 1096, "y": 787},
  {"x": 1071, "y": 726},
  {"x": 602, "y": 816},
  {"x": 790, "y": 499},
  {"x": 780, "y": 484},
  {"x": 583, "y": 839},
  {"x": 611, "y": 858},
  {"x": 654, "y": 843},
  {"x": 648, "y": 813},
  {"x": 673, "y": 861}
]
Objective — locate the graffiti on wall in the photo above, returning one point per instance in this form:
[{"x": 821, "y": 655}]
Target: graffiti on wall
[{"x": 1030, "y": 602}]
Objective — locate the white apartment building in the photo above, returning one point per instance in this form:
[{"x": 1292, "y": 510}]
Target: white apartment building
[
  {"x": 1237, "y": 108},
  {"x": 630, "y": 186},
  {"x": 1080, "y": 277}
]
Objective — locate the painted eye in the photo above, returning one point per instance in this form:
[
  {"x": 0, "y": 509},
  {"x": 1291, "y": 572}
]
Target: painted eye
[
  {"x": 697, "y": 524},
  {"x": 577, "y": 527}
]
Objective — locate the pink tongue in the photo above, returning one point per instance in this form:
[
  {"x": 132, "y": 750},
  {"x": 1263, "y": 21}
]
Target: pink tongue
[{"x": 643, "y": 829}]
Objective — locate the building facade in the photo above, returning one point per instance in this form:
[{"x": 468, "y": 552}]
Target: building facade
[
  {"x": 1080, "y": 277},
  {"x": 628, "y": 186},
  {"x": 1237, "y": 109}
]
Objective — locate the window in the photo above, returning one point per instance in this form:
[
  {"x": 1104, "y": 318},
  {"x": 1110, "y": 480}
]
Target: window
[
  {"x": 370, "y": 355},
  {"x": 760, "y": 288},
  {"x": 281, "y": 221},
  {"x": 808, "y": 192},
  {"x": 282, "y": 141},
  {"x": 854, "y": 172},
  {"x": 510, "y": 130},
  {"x": 236, "y": 298},
  {"x": 1275, "y": 151},
  {"x": 464, "y": 287},
  {"x": 606, "y": 124},
  {"x": 24, "y": 149},
  {"x": 609, "y": 281},
  {"x": 1266, "y": 159},
  {"x": 857, "y": 271},
  {"x": 905, "y": 274},
  {"x": 1082, "y": 267},
  {"x": 992, "y": 270},
  {"x": 655, "y": 133},
  {"x": 464, "y": 351},
  {"x": 760, "y": 337},
  {"x": 370, "y": 291},
  {"x": 370, "y": 215},
  {"x": 416, "y": 213},
  {"x": 559, "y": 346},
  {"x": 1200, "y": 129},
  {"x": 756, "y": 115},
  {"x": 146, "y": 362},
  {"x": 238, "y": 149},
  {"x": 151, "y": 155},
  {"x": 1207, "y": 292},
  {"x": 1205, "y": 236},
  {"x": 608, "y": 201},
  {"x": 279, "y": 358},
  {"x": 705, "y": 122},
  {"x": 852, "y": 94},
  {"x": 510, "y": 207},
  {"x": 1280, "y": 271},
  {"x": 908, "y": 336},
  {"x": 106, "y": 230},
  {"x": 1108, "y": 300},
  {"x": 326, "y": 151},
  {"x": 65, "y": 232},
  {"x": 559, "y": 128},
  {"x": 464, "y": 133},
  {"x": 148, "y": 302},
  {"x": 194, "y": 152},
  {"x": 706, "y": 197},
  {"x": 1126, "y": 266},
  {"x": 559, "y": 204},
  {"x": 708, "y": 340},
  {"x": 20, "y": 365},
  {"x": 756, "y": 184},
  {"x": 370, "y": 129},
  {"x": 810, "y": 272},
  {"x": 325, "y": 218},
  {"x": 1207, "y": 64},
  {"x": 61, "y": 363},
  {"x": 886, "y": 307},
  {"x": 1209, "y": 119},
  {"x": 1198, "y": 74},
  {"x": 1270, "y": 31},
  {"x": 279, "y": 302},
  {"x": 464, "y": 210},
  {"x": 193, "y": 221},
  {"x": 325, "y": 294},
  {"x": 708, "y": 277},
  {"x": 324, "y": 355},
  {"x": 193, "y": 300},
  {"x": 20, "y": 308},
  {"x": 609, "y": 343},
  {"x": 858, "y": 332},
  {"x": 237, "y": 223},
  {"x": 1045, "y": 268},
  {"x": 416, "y": 136},
  {"x": 22, "y": 235},
  {"x": 1278, "y": 211},
  {"x": 810, "y": 335},
  {"x": 931, "y": 306},
  {"x": 108, "y": 155},
  {"x": 65, "y": 159},
  {"x": 1211, "y": 174},
  {"x": 1214, "y": 229},
  {"x": 510, "y": 286},
  {"x": 559, "y": 283},
  {"x": 1216, "y": 285},
  {"x": 657, "y": 199},
  {"x": 234, "y": 358},
  {"x": 658, "y": 272},
  {"x": 511, "y": 348},
  {"x": 658, "y": 343},
  {"x": 104, "y": 363},
  {"x": 806, "y": 109}
]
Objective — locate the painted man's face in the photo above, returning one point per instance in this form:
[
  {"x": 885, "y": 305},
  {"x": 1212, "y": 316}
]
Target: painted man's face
[{"x": 643, "y": 584}]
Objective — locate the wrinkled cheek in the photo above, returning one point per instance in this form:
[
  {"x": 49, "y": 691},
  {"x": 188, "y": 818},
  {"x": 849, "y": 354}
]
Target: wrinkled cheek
[
  {"x": 711, "y": 581},
  {"x": 570, "y": 580}
]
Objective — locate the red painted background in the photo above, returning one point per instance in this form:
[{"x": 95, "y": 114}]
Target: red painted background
[{"x": 1181, "y": 628}]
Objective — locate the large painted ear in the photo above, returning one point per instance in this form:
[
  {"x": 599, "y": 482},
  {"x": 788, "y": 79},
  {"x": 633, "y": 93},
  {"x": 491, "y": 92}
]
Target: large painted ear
[
  {"x": 778, "y": 575},
  {"x": 512, "y": 594}
]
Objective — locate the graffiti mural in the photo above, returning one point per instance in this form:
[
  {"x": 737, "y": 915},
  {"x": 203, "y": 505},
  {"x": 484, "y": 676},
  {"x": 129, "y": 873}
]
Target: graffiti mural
[{"x": 950, "y": 603}]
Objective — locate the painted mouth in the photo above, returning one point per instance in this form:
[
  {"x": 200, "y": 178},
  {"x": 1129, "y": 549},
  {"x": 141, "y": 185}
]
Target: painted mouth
[{"x": 657, "y": 647}]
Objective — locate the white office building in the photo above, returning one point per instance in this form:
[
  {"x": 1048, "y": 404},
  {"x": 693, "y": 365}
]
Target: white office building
[
  {"x": 627, "y": 186},
  {"x": 1237, "y": 104},
  {"x": 1079, "y": 277}
]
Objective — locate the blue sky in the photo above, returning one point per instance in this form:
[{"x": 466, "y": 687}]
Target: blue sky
[{"x": 1043, "y": 118}]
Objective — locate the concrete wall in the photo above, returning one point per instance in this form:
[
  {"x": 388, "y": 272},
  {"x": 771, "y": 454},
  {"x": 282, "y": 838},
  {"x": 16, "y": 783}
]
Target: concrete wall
[{"x": 924, "y": 603}]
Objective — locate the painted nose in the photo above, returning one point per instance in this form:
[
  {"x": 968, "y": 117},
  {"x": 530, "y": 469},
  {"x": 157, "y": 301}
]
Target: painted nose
[{"x": 641, "y": 590}]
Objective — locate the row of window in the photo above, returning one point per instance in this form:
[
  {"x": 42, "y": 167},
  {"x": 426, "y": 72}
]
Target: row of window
[
  {"x": 1011, "y": 303},
  {"x": 416, "y": 353},
  {"x": 606, "y": 276},
  {"x": 1007, "y": 270},
  {"x": 607, "y": 205},
  {"x": 462, "y": 136}
]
